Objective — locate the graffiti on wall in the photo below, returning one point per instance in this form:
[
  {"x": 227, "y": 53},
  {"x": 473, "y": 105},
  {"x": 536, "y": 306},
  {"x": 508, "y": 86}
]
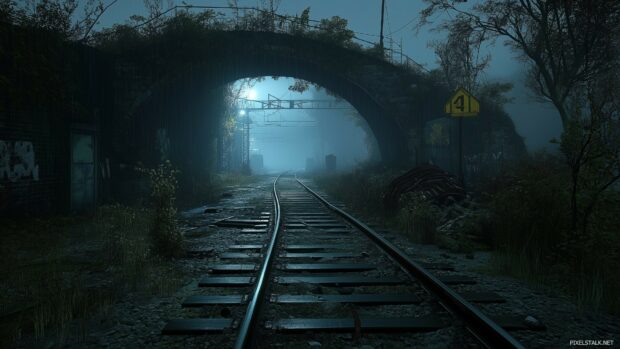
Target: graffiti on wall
[{"x": 17, "y": 161}]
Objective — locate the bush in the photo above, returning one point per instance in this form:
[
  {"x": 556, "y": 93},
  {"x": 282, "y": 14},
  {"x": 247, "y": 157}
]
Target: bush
[
  {"x": 166, "y": 238},
  {"x": 125, "y": 233},
  {"x": 530, "y": 214},
  {"x": 465, "y": 229},
  {"x": 362, "y": 189},
  {"x": 418, "y": 218},
  {"x": 534, "y": 240}
]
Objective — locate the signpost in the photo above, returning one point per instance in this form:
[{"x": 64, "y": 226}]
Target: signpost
[{"x": 462, "y": 104}]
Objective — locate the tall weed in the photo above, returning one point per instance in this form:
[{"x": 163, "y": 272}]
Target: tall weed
[{"x": 531, "y": 219}]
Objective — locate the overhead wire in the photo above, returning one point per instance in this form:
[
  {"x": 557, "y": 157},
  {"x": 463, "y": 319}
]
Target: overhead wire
[{"x": 405, "y": 25}]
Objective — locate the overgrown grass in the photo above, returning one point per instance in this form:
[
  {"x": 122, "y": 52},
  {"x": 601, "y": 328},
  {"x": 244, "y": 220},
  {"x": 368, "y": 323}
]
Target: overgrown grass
[
  {"x": 531, "y": 219},
  {"x": 525, "y": 221},
  {"x": 362, "y": 190},
  {"x": 211, "y": 188},
  {"x": 418, "y": 218},
  {"x": 58, "y": 271}
]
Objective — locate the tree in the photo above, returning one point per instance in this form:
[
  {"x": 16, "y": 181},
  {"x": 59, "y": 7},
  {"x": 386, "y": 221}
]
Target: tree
[
  {"x": 299, "y": 24},
  {"x": 567, "y": 43},
  {"x": 459, "y": 55},
  {"x": 572, "y": 48},
  {"x": 591, "y": 146},
  {"x": 57, "y": 16},
  {"x": 335, "y": 30}
]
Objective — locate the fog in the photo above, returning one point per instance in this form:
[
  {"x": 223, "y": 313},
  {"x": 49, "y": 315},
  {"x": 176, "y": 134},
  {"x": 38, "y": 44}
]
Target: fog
[{"x": 287, "y": 138}]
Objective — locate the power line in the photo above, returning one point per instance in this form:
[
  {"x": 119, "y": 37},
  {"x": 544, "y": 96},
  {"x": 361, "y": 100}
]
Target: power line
[{"x": 404, "y": 26}]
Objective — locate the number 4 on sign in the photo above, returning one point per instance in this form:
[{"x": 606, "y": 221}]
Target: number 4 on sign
[{"x": 462, "y": 103}]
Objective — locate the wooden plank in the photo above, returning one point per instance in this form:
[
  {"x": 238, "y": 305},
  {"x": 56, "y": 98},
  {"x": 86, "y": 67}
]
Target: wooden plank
[
  {"x": 310, "y": 247},
  {"x": 197, "y": 326},
  {"x": 246, "y": 247},
  {"x": 226, "y": 281},
  {"x": 403, "y": 324},
  {"x": 327, "y": 267},
  {"x": 199, "y": 301},
  {"x": 238, "y": 255},
  {"x": 319, "y": 255},
  {"x": 340, "y": 280},
  {"x": 362, "y": 299},
  {"x": 232, "y": 268}
]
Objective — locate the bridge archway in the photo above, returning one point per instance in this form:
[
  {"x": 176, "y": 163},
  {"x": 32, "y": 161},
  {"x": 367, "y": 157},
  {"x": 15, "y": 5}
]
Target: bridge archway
[{"x": 231, "y": 56}]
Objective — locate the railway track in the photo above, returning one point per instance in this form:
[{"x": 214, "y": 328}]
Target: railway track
[{"x": 308, "y": 268}]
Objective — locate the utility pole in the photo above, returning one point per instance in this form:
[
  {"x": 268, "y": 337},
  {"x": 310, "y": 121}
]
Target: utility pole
[{"x": 381, "y": 32}]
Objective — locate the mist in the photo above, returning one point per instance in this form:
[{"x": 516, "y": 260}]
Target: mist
[
  {"x": 289, "y": 140},
  {"x": 309, "y": 173}
]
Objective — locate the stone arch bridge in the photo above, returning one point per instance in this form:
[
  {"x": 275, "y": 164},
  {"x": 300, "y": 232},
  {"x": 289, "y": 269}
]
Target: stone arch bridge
[
  {"x": 396, "y": 102},
  {"x": 134, "y": 97},
  {"x": 393, "y": 100}
]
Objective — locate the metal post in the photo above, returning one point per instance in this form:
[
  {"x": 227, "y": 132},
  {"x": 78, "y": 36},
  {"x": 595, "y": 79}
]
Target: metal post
[
  {"x": 245, "y": 156},
  {"x": 461, "y": 173},
  {"x": 381, "y": 33}
]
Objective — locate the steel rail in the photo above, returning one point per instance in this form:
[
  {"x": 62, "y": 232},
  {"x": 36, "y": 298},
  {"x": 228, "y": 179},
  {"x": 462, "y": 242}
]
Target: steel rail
[
  {"x": 252, "y": 313},
  {"x": 481, "y": 326}
]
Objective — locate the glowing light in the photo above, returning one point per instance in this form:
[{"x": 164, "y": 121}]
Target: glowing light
[
  {"x": 242, "y": 112},
  {"x": 250, "y": 94}
]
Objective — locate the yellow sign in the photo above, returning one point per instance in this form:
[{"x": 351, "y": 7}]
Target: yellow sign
[{"x": 462, "y": 103}]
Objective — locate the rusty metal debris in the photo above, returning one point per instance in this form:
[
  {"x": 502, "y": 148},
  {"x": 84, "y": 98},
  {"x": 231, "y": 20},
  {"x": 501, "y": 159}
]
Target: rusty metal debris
[{"x": 430, "y": 181}]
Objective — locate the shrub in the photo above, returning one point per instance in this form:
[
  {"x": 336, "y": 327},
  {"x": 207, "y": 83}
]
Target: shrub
[
  {"x": 166, "y": 238},
  {"x": 418, "y": 217},
  {"x": 362, "y": 189},
  {"x": 530, "y": 215},
  {"x": 534, "y": 240},
  {"x": 124, "y": 231}
]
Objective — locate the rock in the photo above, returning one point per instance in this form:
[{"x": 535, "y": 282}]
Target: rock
[
  {"x": 532, "y": 322},
  {"x": 212, "y": 209},
  {"x": 314, "y": 344}
]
